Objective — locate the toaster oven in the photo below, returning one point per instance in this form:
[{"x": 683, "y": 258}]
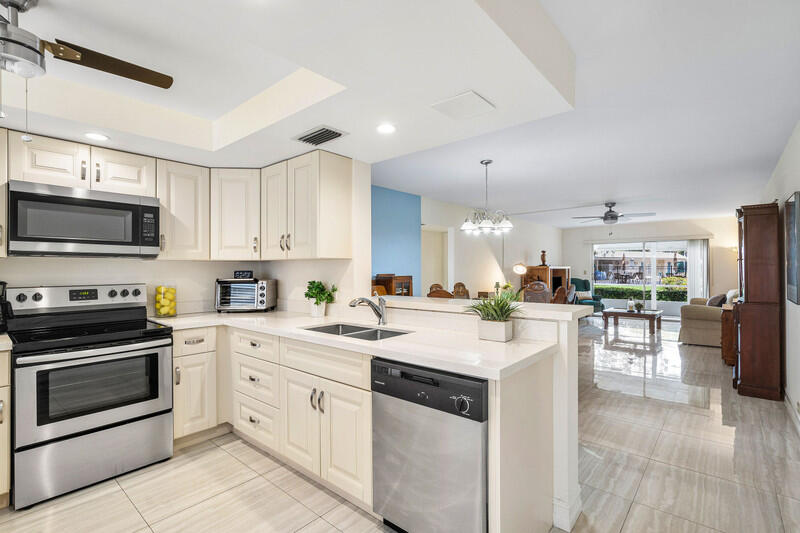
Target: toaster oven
[{"x": 241, "y": 295}]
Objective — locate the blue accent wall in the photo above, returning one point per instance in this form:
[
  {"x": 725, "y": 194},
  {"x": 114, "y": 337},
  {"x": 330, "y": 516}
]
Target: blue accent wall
[{"x": 396, "y": 237}]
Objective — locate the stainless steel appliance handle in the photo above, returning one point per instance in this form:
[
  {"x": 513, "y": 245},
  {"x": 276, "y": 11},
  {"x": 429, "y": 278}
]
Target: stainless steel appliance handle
[
  {"x": 288, "y": 236},
  {"x": 97, "y": 172},
  {"x": 118, "y": 352},
  {"x": 162, "y": 242},
  {"x": 197, "y": 340},
  {"x": 283, "y": 238},
  {"x": 319, "y": 401},
  {"x": 312, "y": 399},
  {"x": 83, "y": 170},
  {"x": 254, "y": 379},
  {"x": 177, "y": 375}
]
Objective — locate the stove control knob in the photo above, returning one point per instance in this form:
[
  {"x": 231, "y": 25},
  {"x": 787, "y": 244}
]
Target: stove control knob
[
  {"x": 21, "y": 297},
  {"x": 136, "y": 292},
  {"x": 462, "y": 405},
  {"x": 37, "y": 297},
  {"x": 124, "y": 292},
  {"x": 112, "y": 293}
]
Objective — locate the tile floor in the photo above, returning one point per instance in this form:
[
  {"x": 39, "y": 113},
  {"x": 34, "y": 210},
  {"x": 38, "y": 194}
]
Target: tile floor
[{"x": 666, "y": 446}]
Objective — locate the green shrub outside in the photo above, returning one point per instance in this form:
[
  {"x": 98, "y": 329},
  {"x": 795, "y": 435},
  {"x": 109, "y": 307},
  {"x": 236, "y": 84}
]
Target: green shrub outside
[
  {"x": 664, "y": 294},
  {"x": 673, "y": 280}
]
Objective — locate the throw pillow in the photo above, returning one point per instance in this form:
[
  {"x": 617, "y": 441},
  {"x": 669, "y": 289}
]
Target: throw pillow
[
  {"x": 716, "y": 301},
  {"x": 583, "y": 295}
]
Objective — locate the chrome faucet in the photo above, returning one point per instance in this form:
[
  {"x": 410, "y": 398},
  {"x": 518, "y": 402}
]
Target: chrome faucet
[{"x": 379, "y": 310}]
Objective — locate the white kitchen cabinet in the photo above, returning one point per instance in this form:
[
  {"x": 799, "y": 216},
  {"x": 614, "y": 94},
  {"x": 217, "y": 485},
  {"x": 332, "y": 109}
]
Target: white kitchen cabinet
[
  {"x": 273, "y": 211},
  {"x": 3, "y": 191},
  {"x": 257, "y": 420},
  {"x": 122, "y": 172},
  {"x": 183, "y": 192},
  {"x": 346, "y": 438},
  {"x": 300, "y": 431},
  {"x": 47, "y": 160},
  {"x": 256, "y": 378},
  {"x": 235, "y": 214},
  {"x": 5, "y": 439},
  {"x": 194, "y": 393}
]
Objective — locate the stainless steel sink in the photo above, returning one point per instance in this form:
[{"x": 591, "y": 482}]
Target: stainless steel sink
[{"x": 358, "y": 332}]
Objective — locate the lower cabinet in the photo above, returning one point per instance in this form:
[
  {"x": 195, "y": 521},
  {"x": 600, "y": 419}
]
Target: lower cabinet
[
  {"x": 257, "y": 420},
  {"x": 5, "y": 439},
  {"x": 194, "y": 393}
]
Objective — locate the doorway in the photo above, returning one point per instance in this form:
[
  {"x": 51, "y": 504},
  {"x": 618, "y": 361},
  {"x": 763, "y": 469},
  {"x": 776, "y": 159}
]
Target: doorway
[{"x": 434, "y": 259}]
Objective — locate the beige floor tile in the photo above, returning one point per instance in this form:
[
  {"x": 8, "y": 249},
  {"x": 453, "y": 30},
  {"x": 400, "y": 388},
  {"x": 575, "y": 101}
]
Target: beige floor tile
[
  {"x": 350, "y": 519},
  {"x": 254, "y": 506},
  {"x": 226, "y": 438},
  {"x": 312, "y": 495},
  {"x": 708, "y": 500},
  {"x": 643, "y": 519},
  {"x": 787, "y": 476},
  {"x": 708, "y": 426},
  {"x": 618, "y": 434},
  {"x": 185, "y": 480},
  {"x": 614, "y": 471},
  {"x": 790, "y": 510},
  {"x": 256, "y": 459},
  {"x": 631, "y": 409},
  {"x": 318, "y": 526},
  {"x": 602, "y": 512},
  {"x": 714, "y": 458},
  {"x": 103, "y": 507}
]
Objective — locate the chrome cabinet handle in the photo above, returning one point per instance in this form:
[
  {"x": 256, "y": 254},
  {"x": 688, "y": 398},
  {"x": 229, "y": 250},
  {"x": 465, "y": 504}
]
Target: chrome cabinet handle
[
  {"x": 2, "y": 411},
  {"x": 83, "y": 170},
  {"x": 177, "y": 375},
  {"x": 162, "y": 243},
  {"x": 194, "y": 341},
  {"x": 254, "y": 379},
  {"x": 255, "y": 344},
  {"x": 319, "y": 401},
  {"x": 97, "y": 173},
  {"x": 253, "y": 420},
  {"x": 288, "y": 236},
  {"x": 255, "y": 244},
  {"x": 312, "y": 399},
  {"x": 283, "y": 238}
]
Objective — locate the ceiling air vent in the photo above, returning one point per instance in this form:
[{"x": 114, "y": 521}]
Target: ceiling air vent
[{"x": 319, "y": 135}]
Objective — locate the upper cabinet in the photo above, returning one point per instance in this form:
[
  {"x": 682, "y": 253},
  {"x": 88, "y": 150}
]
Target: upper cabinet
[
  {"x": 58, "y": 162},
  {"x": 314, "y": 194},
  {"x": 122, "y": 172},
  {"x": 183, "y": 192},
  {"x": 235, "y": 214},
  {"x": 3, "y": 192},
  {"x": 50, "y": 161}
]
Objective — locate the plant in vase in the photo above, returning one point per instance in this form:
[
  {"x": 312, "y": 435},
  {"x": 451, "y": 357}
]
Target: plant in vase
[
  {"x": 639, "y": 306},
  {"x": 495, "y": 315},
  {"x": 319, "y": 297}
]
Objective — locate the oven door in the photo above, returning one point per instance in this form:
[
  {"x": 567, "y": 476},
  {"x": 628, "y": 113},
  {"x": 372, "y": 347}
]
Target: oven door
[
  {"x": 53, "y": 220},
  {"x": 57, "y": 395}
]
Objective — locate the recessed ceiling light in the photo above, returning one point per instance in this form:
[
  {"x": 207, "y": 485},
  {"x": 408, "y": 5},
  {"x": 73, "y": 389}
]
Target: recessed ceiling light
[
  {"x": 96, "y": 136},
  {"x": 386, "y": 128}
]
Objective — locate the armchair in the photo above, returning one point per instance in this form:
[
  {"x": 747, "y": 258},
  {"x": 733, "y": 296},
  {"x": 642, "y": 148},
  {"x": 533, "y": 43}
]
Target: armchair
[{"x": 583, "y": 285}]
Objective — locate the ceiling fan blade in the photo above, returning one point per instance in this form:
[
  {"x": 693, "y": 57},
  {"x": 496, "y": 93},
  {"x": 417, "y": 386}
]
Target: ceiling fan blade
[
  {"x": 587, "y": 217},
  {"x": 61, "y": 51},
  {"x": 112, "y": 65},
  {"x": 590, "y": 219},
  {"x": 638, "y": 215}
]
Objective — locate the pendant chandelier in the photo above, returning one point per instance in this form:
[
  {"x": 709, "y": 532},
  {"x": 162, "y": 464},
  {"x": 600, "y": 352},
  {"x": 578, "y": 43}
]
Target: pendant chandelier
[{"x": 481, "y": 221}]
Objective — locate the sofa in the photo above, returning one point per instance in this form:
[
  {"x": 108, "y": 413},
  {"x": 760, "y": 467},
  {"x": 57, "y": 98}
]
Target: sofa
[
  {"x": 701, "y": 323},
  {"x": 583, "y": 285}
]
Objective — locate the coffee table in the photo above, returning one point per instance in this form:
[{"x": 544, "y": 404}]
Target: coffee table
[{"x": 653, "y": 317}]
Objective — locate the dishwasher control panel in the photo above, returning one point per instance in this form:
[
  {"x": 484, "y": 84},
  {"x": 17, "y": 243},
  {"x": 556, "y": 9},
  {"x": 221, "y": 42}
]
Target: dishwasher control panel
[{"x": 459, "y": 395}]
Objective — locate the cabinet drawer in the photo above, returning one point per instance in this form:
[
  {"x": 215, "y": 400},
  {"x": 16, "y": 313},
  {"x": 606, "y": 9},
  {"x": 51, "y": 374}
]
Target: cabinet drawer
[
  {"x": 256, "y": 378},
  {"x": 257, "y": 420},
  {"x": 191, "y": 341},
  {"x": 343, "y": 366},
  {"x": 255, "y": 344},
  {"x": 5, "y": 361}
]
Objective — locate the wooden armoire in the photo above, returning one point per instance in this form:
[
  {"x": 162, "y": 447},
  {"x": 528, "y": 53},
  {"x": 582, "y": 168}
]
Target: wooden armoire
[{"x": 758, "y": 313}]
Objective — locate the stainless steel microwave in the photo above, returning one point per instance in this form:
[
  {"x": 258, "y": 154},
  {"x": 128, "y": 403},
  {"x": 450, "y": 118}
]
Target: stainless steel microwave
[{"x": 55, "y": 220}]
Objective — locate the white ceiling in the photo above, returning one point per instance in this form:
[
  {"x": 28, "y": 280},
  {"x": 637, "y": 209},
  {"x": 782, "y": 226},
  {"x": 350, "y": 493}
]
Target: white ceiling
[
  {"x": 682, "y": 108},
  {"x": 393, "y": 58}
]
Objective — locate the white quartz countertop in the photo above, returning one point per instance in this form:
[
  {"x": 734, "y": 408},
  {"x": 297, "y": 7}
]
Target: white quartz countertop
[
  {"x": 526, "y": 310},
  {"x": 451, "y": 351}
]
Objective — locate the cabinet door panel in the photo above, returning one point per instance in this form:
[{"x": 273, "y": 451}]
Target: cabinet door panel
[
  {"x": 195, "y": 397},
  {"x": 273, "y": 211},
  {"x": 235, "y": 218},
  {"x": 183, "y": 192},
  {"x": 5, "y": 440},
  {"x": 300, "y": 431},
  {"x": 256, "y": 378},
  {"x": 121, "y": 172},
  {"x": 303, "y": 185},
  {"x": 257, "y": 420},
  {"x": 50, "y": 161},
  {"x": 346, "y": 438}
]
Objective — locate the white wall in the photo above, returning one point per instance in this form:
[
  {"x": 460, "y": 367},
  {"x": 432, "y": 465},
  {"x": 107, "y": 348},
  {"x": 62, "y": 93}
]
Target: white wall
[
  {"x": 479, "y": 261},
  {"x": 785, "y": 180},
  {"x": 721, "y": 233},
  {"x": 434, "y": 260}
]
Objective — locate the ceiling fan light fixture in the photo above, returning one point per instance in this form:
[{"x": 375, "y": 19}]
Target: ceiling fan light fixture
[
  {"x": 519, "y": 269},
  {"x": 386, "y": 128},
  {"x": 93, "y": 135}
]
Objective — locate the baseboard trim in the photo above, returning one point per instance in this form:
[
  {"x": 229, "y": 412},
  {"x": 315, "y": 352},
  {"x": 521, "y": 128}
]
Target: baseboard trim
[
  {"x": 565, "y": 516},
  {"x": 202, "y": 436},
  {"x": 787, "y": 401}
]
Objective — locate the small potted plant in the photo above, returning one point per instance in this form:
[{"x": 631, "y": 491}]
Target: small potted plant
[
  {"x": 495, "y": 315},
  {"x": 319, "y": 297},
  {"x": 639, "y": 306}
]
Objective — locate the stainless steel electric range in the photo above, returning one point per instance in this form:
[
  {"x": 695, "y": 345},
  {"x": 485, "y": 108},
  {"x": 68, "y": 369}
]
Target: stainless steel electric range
[{"x": 91, "y": 387}]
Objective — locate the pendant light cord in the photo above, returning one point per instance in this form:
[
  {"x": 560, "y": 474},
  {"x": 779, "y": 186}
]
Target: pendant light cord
[{"x": 26, "y": 106}]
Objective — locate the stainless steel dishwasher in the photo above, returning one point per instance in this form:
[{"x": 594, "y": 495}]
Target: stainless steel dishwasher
[{"x": 429, "y": 438}]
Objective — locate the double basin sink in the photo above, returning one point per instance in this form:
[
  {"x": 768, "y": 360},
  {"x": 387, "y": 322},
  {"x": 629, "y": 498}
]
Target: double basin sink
[{"x": 358, "y": 332}]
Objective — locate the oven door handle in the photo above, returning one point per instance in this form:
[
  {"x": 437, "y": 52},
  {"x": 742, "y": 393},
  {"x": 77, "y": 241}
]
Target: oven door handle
[{"x": 113, "y": 352}]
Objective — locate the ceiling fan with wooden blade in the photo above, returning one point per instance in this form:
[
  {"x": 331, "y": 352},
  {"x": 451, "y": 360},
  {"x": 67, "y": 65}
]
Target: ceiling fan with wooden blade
[
  {"x": 22, "y": 52},
  {"x": 611, "y": 216}
]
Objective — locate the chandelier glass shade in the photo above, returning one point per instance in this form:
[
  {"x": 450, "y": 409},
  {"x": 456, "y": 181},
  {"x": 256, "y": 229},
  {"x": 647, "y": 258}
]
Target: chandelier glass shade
[{"x": 482, "y": 221}]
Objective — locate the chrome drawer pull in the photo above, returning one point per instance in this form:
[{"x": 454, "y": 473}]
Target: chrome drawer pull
[
  {"x": 254, "y": 379},
  {"x": 177, "y": 375},
  {"x": 255, "y": 344},
  {"x": 254, "y": 420},
  {"x": 194, "y": 341},
  {"x": 313, "y": 403}
]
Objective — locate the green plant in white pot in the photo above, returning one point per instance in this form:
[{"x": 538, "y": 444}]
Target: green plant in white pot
[
  {"x": 319, "y": 297},
  {"x": 495, "y": 315}
]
